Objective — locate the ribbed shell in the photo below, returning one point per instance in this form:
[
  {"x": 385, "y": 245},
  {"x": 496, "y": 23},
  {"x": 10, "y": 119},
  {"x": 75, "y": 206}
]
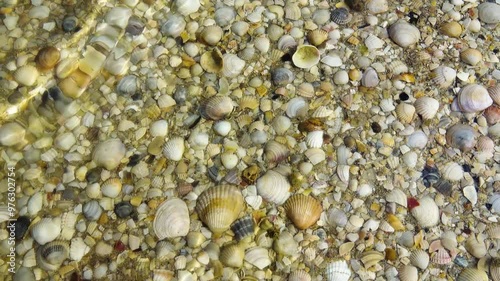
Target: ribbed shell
[
  {"x": 174, "y": 148},
  {"x": 232, "y": 255},
  {"x": 299, "y": 275},
  {"x": 420, "y": 259},
  {"x": 444, "y": 76},
  {"x": 441, "y": 257},
  {"x": 50, "y": 256},
  {"x": 302, "y": 210},
  {"x": 453, "y": 171},
  {"x": 341, "y": 16},
  {"x": 275, "y": 152},
  {"x": 218, "y": 207},
  {"x": 243, "y": 227},
  {"x": 408, "y": 273},
  {"x": 495, "y": 93},
  {"x": 472, "y": 98},
  {"x": 171, "y": 219},
  {"x": 273, "y": 187},
  {"x": 404, "y": 34},
  {"x": 111, "y": 187},
  {"x": 315, "y": 139},
  {"x": 216, "y": 108},
  {"x": 495, "y": 269},
  {"x": 47, "y": 58},
  {"x": 405, "y": 112},
  {"x": 475, "y": 246},
  {"x": 472, "y": 274},
  {"x": 426, "y": 107},
  {"x": 338, "y": 271},
  {"x": 427, "y": 213},
  {"x": 317, "y": 37},
  {"x": 46, "y": 230}
]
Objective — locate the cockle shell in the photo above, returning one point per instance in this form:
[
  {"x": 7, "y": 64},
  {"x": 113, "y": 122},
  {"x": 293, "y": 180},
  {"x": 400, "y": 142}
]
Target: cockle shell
[
  {"x": 408, "y": 273},
  {"x": 420, "y": 259},
  {"x": 472, "y": 274},
  {"x": 174, "y": 149},
  {"x": 426, "y": 107},
  {"x": 427, "y": 213},
  {"x": 78, "y": 249},
  {"x": 302, "y": 210},
  {"x": 111, "y": 187},
  {"x": 341, "y": 16},
  {"x": 315, "y": 155},
  {"x": 92, "y": 210},
  {"x": 306, "y": 56},
  {"x": 444, "y": 76},
  {"x": 258, "y": 257},
  {"x": 471, "y": 56},
  {"x": 475, "y": 246},
  {"x": 127, "y": 85},
  {"x": 370, "y": 78},
  {"x": 299, "y": 275},
  {"x": 404, "y": 34},
  {"x": 472, "y": 98},
  {"x": 211, "y": 35},
  {"x": 26, "y": 75},
  {"x": 485, "y": 144},
  {"x": 317, "y": 37},
  {"x": 232, "y": 65},
  {"x": 212, "y": 61},
  {"x": 232, "y": 255},
  {"x": 243, "y": 228},
  {"x": 282, "y": 76},
  {"x": 495, "y": 93},
  {"x": 453, "y": 171},
  {"x": 292, "y": 11},
  {"x": 46, "y": 230},
  {"x": 218, "y": 207},
  {"x": 489, "y": 12},
  {"x": 47, "y": 58},
  {"x": 174, "y": 25},
  {"x": 285, "y": 244},
  {"x": 441, "y": 257},
  {"x": 297, "y": 107},
  {"x": 216, "y": 108},
  {"x": 275, "y": 152},
  {"x": 108, "y": 154},
  {"x": 461, "y": 136},
  {"x": 273, "y": 187},
  {"x": 187, "y": 7},
  {"x": 337, "y": 271},
  {"x": 405, "y": 112},
  {"x": 51, "y": 255},
  {"x": 224, "y": 16},
  {"x": 314, "y": 139},
  {"x": 418, "y": 139},
  {"x": 171, "y": 219}
]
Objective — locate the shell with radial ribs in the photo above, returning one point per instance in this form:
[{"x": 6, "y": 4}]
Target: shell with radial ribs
[
  {"x": 404, "y": 34},
  {"x": 218, "y": 207},
  {"x": 475, "y": 246},
  {"x": 26, "y": 75},
  {"x": 338, "y": 271},
  {"x": 408, "y": 273},
  {"x": 495, "y": 269},
  {"x": 297, "y": 107},
  {"x": 111, "y": 187},
  {"x": 47, "y": 58},
  {"x": 46, "y": 230},
  {"x": 232, "y": 255},
  {"x": 397, "y": 196},
  {"x": 243, "y": 228},
  {"x": 426, "y": 213},
  {"x": 472, "y": 98},
  {"x": 216, "y": 108},
  {"x": 420, "y": 259},
  {"x": 461, "y": 136},
  {"x": 317, "y": 37},
  {"x": 51, "y": 255},
  {"x": 453, "y": 171},
  {"x": 371, "y": 258},
  {"x": 299, "y": 275},
  {"x": 405, "y": 112},
  {"x": 174, "y": 149},
  {"x": 232, "y": 65},
  {"x": 187, "y": 7},
  {"x": 306, "y": 56},
  {"x": 426, "y": 107},
  {"x": 444, "y": 76},
  {"x": 171, "y": 219},
  {"x": 275, "y": 152},
  {"x": 472, "y": 274},
  {"x": 471, "y": 56},
  {"x": 304, "y": 211},
  {"x": 273, "y": 187},
  {"x": 495, "y": 93}
]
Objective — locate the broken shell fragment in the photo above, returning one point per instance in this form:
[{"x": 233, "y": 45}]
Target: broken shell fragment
[
  {"x": 303, "y": 210},
  {"x": 51, "y": 256},
  {"x": 108, "y": 154},
  {"x": 171, "y": 219}
]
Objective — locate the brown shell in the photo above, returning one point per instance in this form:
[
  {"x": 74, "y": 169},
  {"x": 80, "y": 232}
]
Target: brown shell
[
  {"x": 47, "y": 58},
  {"x": 218, "y": 207},
  {"x": 303, "y": 210}
]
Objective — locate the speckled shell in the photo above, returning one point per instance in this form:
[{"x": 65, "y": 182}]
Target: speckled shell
[
  {"x": 46, "y": 230},
  {"x": 426, "y": 107},
  {"x": 243, "y": 228},
  {"x": 171, "y": 219},
  {"x": 408, "y": 273},
  {"x": 302, "y": 210},
  {"x": 427, "y": 213},
  {"x": 51, "y": 256},
  {"x": 174, "y": 148},
  {"x": 472, "y": 98},
  {"x": 232, "y": 255},
  {"x": 461, "y": 136},
  {"x": 472, "y": 274},
  {"x": 404, "y": 34},
  {"x": 216, "y": 108},
  {"x": 337, "y": 271},
  {"x": 299, "y": 275},
  {"x": 47, "y": 58},
  {"x": 218, "y": 207},
  {"x": 420, "y": 259},
  {"x": 273, "y": 187}
]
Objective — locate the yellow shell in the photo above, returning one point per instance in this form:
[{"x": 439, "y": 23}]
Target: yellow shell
[
  {"x": 232, "y": 255},
  {"x": 472, "y": 274},
  {"x": 317, "y": 37},
  {"x": 452, "y": 29},
  {"x": 47, "y": 58},
  {"x": 218, "y": 207},
  {"x": 303, "y": 210}
]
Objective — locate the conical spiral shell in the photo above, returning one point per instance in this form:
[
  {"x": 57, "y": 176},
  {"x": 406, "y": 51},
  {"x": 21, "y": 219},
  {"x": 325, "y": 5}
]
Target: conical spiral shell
[
  {"x": 171, "y": 219},
  {"x": 218, "y": 207},
  {"x": 216, "y": 108},
  {"x": 472, "y": 274},
  {"x": 302, "y": 210}
]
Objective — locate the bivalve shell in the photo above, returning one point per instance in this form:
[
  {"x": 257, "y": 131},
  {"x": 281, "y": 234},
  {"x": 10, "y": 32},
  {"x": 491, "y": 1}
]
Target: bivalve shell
[
  {"x": 232, "y": 65},
  {"x": 317, "y": 37},
  {"x": 26, "y": 75},
  {"x": 174, "y": 148},
  {"x": 444, "y": 76},
  {"x": 171, "y": 219},
  {"x": 11, "y": 134},
  {"x": 273, "y": 187},
  {"x": 306, "y": 56},
  {"x": 51, "y": 256},
  {"x": 453, "y": 171},
  {"x": 275, "y": 152},
  {"x": 243, "y": 228},
  {"x": 495, "y": 93},
  {"x": 338, "y": 271},
  {"x": 404, "y": 34},
  {"x": 111, "y": 187},
  {"x": 426, "y": 107},
  {"x": 297, "y": 107},
  {"x": 495, "y": 202},
  {"x": 397, "y": 196},
  {"x": 218, "y": 207},
  {"x": 489, "y": 12},
  {"x": 475, "y": 246},
  {"x": 258, "y": 257},
  {"x": 452, "y": 29},
  {"x": 472, "y": 274},
  {"x": 315, "y": 155},
  {"x": 299, "y": 275},
  {"x": 405, "y": 112},
  {"x": 471, "y": 56},
  {"x": 420, "y": 259},
  {"x": 232, "y": 255},
  {"x": 211, "y": 35},
  {"x": 302, "y": 210},
  {"x": 92, "y": 210},
  {"x": 370, "y": 78},
  {"x": 216, "y": 108},
  {"x": 187, "y": 7},
  {"x": 495, "y": 269},
  {"x": 314, "y": 139},
  {"x": 108, "y": 154},
  {"x": 408, "y": 273},
  {"x": 341, "y": 16},
  {"x": 472, "y": 98},
  {"x": 282, "y": 76},
  {"x": 371, "y": 258},
  {"x": 212, "y": 61},
  {"x": 461, "y": 136},
  {"x": 47, "y": 58},
  {"x": 46, "y": 230},
  {"x": 427, "y": 213}
]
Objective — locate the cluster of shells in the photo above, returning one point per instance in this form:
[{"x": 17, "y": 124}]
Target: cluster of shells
[{"x": 251, "y": 140}]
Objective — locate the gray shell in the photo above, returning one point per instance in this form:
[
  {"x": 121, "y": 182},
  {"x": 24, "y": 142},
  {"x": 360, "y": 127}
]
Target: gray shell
[
  {"x": 92, "y": 210},
  {"x": 243, "y": 227},
  {"x": 341, "y": 16},
  {"x": 51, "y": 255}
]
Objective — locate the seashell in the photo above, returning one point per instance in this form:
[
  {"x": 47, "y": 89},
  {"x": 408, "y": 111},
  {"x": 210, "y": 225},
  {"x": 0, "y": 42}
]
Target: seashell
[
  {"x": 258, "y": 257},
  {"x": 410, "y": 159},
  {"x": 187, "y": 7},
  {"x": 337, "y": 217},
  {"x": 123, "y": 210},
  {"x": 314, "y": 139},
  {"x": 341, "y": 16},
  {"x": 69, "y": 23},
  {"x": 404, "y": 34},
  {"x": 286, "y": 43},
  {"x": 163, "y": 275},
  {"x": 127, "y": 85},
  {"x": 495, "y": 93},
  {"x": 243, "y": 228},
  {"x": 297, "y": 107},
  {"x": 240, "y": 28},
  {"x": 397, "y": 196},
  {"x": 441, "y": 257},
  {"x": 377, "y": 6},
  {"x": 408, "y": 273},
  {"x": 418, "y": 139},
  {"x": 212, "y": 61},
  {"x": 292, "y": 11},
  {"x": 472, "y": 274},
  {"x": 299, "y": 275},
  {"x": 232, "y": 255},
  {"x": 489, "y": 12},
  {"x": 306, "y": 56},
  {"x": 78, "y": 249},
  {"x": 285, "y": 245},
  {"x": 453, "y": 171},
  {"x": 405, "y": 112},
  {"x": 371, "y": 258},
  {"x": 475, "y": 246},
  {"x": 171, "y": 219},
  {"x": 372, "y": 42},
  {"x": 26, "y": 75},
  {"x": 471, "y": 56},
  {"x": 341, "y": 77},
  {"x": 398, "y": 67},
  {"x": 11, "y": 134},
  {"x": 282, "y": 76},
  {"x": 111, "y": 187},
  {"x": 224, "y": 16},
  {"x": 315, "y": 155},
  {"x": 485, "y": 144},
  {"x": 302, "y": 210},
  {"x": 317, "y": 37},
  {"x": 211, "y": 35},
  {"x": 451, "y": 29},
  {"x": 46, "y": 230},
  {"x": 108, "y": 154},
  {"x": 472, "y": 98},
  {"x": 343, "y": 171},
  {"x": 275, "y": 152},
  {"x": 495, "y": 269},
  {"x": 47, "y": 58},
  {"x": 337, "y": 271},
  {"x": 449, "y": 240},
  {"x": 216, "y": 108},
  {"x": 495, "y": 202},
  {"x": 135, "y": 26},
  {"x": 173, "y": 26},
  {"x": 420, "y": 259},
  {"x": 444, "y": 76},
  {"x": 273, "y": 187},
  {"x": 232, "y": 65},
  {"x": 370, "y": 78},
  {"x": 174, "y": 149},
  {"x": 306, "y": 90},
  {"x": 426, "y": 213},
  {"x": 92, "y": 210},
  {"x": 218, "y": 207},
  {"x": 118, "y": 16},
  {"x": 51, "y": 255},
  {"x": 426, "y": 107},
  {"x": 492, "y": 114},
  {"x": 461, "y": 136}
]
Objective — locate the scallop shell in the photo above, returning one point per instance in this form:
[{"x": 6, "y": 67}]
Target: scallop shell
[
  {"x": 174, "y": 148},
  {"x": 461, "y": 136},
  {"x": 218, "y": 207},
  {"x": 489, "y": 12},
  {"x": 441, "y": 257},
  {"x": 405, "y": 112},
  {"x": 302, "y": 210},
  {"x": 275, "y": 152},
  {"x": 317, "y": 37},
  {"x": 232, "y": 65},
  {"x": 444, "y": 76},
  {"x": 171, "y": 219},
  {"x": 187, "y": 7},
  {"x": 51, "y": 255},
  {"x": 426, "y": 107},
  {"x": 472, "y": 98},
  {"x": 341, "y": 16},
  {"x": 282, "y": 76},
  {"x": 273, "y": 187},
  {"x": 370, "y": 78},
  {"x": 397, "y": 196},
  {"x": 243, "y": 228},
  {"x": 258, "y": 257},
  {"x": 338, "y": 271},
  {"x": 398, "y": 67},
  {"x": 404, "y": 34},
  {"x": 46, "y": 230},
  {"x": 322, "y": 112},
  {"x": 427, "y": 213},
  {"x": 472, "y": 274},
  {"x": 232, "y": 255},
  {"x": 453, "y": 171},
  {"x": 475, "y": 246},
  {"x": 495, "y": 269},
  {"x": 26, "y": 75},
  {"x": 306, "y": 56},
  {"x": 47, "y": 58},
  {"x": 314, "y": 139},
  {"x": 495, "y": 93},
  {"x": 299, "y": 275},
  {"x": 111, "y": 187},
  {"x": 216, "y": 108},
  {"x": 297, "y": 107},
  {"x": 420, "y": 259}
]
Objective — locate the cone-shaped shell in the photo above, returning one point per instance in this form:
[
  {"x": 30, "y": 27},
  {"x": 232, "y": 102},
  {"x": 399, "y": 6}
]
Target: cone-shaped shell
[
  {"x": 216, "y": 108},
  {"x": 218, "y": 207},
  {"x": 302, "y": 210},
  {"x": 273, "y": 187},
  {"x": 171, "y": 219},
  {"x": 306, "y": 56},
  {"x": 472, "y": 274}
]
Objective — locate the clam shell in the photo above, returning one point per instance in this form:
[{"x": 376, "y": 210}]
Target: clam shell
[
  {"x": 26, "y": 75},
  {"x": 78, "y": 249},
  {"x": 453, "y": 171},
  {"x": 408, "y": 273},
  {"x": 273, "y": 187},
  {"x": 444, "y": 76},
  {"x": 495, "y": 269},
  {"x": 174, "y": 148},
  {"x": 449, "y": 240},
  {"x": 337, "y": 271},
  {"x": 343, "y": 171},
  {"x": 475, "y": 246},
  {"x": 317, "y": 37},
  {"x": 494, "y": 200},
  {"x": 275, "y": 152},
  {"x": 306, "y": 56},
  {"x": 315, "y": 155},
  {"x": 51, "y": 256},
  {"x": 495, "y": 93},
  {"x": 314, "y": 139},
  {"x": 286, "y": 43},
  {"x": 418, "y": 139},
  {"x": 397, "y": 196},
  {"x": 258, "y": 257},
  {"x": 163, "y": 275},
  {"x": 404, "y": 34},
  {"x": 371, "y": 258},
  {"x": 489, "y": 12},
  {"x": 377, "y": 6},
  {"x": 243, "y": 228},
  {"x": 232, "y": 255},
  {"x": 370, "y": 78},
  {"x": 405, "y": 112},
  {"x": 452, "y": 29},
  {"x": 285, "y": 244},
  {"x": 306, "y": 90},
  {"x": 297, "y": 107},
  {"x": 224, "y": 16},
  {"x": 232, "y": 65},
  {"x": 292, "y": 11},
  {"x": 47, "y": 58},
  {"x": 108, "y": 154},
  {"x": 127, "y": 85},
  {"x": 472, "y": 274},
  {"x": 218, "y": 207},
  {"x": 302, "y": 210},
  {"x": 216, "y": 108},
  {"x": 46, "y": 230},
  {"x": 472, "y": 98},
  {"x": 299, "y": 275},
  {"x": 173, "y": 26},
  {"x": 461, "y": 136},
  {"x": 282, "y": 76},
  {"x": 426, "y": 107},
  {"x": 420, "y": 259},
  {"x": 111, "y": 187},
  {"x": 187, "y": 7},
  {"x": 441, "y": 257},
  {"x": 211, "y": 35},
  {"x": 427, "y": 213},
  {"x": 471, "y": 56},
  {"x": 171, "y": 219}
]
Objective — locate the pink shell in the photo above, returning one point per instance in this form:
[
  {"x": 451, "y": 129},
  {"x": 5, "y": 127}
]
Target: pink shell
[{"x": 441, "y": 257}]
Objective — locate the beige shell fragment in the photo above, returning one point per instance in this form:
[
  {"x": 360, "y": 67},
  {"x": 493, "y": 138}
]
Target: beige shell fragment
[
  {"x": 397, "y": 196},
  {"x": 371, "y": 258}
]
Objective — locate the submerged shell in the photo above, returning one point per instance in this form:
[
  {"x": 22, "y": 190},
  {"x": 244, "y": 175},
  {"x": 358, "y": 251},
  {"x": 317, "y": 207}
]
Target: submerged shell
[
  {"x": 216, "y": 108},
  {"x": 243, "y": 227},
  {"x": 26, "y": 75},
  {"x": 461, "y": 136},
  {"x": 218, "y": 207},
  {"x": 212, "y": 61},
  {"x": 171, "y": 219},
  {"x": 299, "y": 275},
  {"x": 51, "y": 256},
  {"x": 317, "y": 37},
  {"x": 427, "y": 213},
  {"x": 306, "y": 56},
  {"x": 46, "y": 230},
  {"x": 341, "y": 16},
  {"x": 273, "y": 187},
  {"x": 489, "y": 12},
  {"x": 472, "y": 274},
  {"x": 302, "y": 210},
  {"x": 47, "y": 58},
  {"x": 338, "y": 271},
  {"x": 11, "y": 134}
]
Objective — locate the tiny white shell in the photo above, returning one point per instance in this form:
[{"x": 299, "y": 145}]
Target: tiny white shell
[
  {"x": 174, "y": 148},
  {"x": 420, "y": 259},
  {"x": 418, "y": 139},
  {"x": 489, "y": 12},
  {"x": 171, "y": 219},
  {"x": 111, "y": 187},
  {"x": 314, "y": 139},
  {"x": 108, "y": 154},
  {"x": 78, "y": 249},
  {"x": 397, "y": 196},
  {"x": 222, "y": 127},
  {"x": 232, "y": 65},
  {"x": 410, "y": 159},
  {"x": 159, "y": 128},
  {"x": 46, "y": 230},
  {"x": 427, "y": 213}
]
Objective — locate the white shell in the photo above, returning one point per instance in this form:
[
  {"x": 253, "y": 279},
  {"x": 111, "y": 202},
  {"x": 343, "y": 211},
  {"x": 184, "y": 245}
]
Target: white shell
[
  {"x": 405, "y": 112},
  {"x": 159, "y": 128},
  {"x": 495, "y": 202},
  {"x": 370, "y": 78},
  {"x": 397, "y": 67},
  {"x": 427, "y": 213},
  {"x": 222, "y": 127},
  {"x": 322, "y": 112},
  {"x": 211, "y": 35},
  {"x": 404, "y": 34},
  {"x": 281, "y": 124},
  {"x": 297, "y": 107},
  {"x": 275, "y": 152},
  {"x": 475, "y": 246},
  {"x": 315, "y": 155},
  {"x": 343, "y": 171},
  {"x": 11, "y": 134},
  {"x": 426, "y": 107},
  {"x": 489, "y": 12},
  {"x": 444, "y": 76},
  {"x": 410, "y": 159},
  {"x": 453, "y": 171},
  {"x": 174, "y": 25},
  {"x": 306, "y": 56},
  {"x": 338, "y": 271},
  {"x": 273, "y": 187},
  {"x": 262, "y": 44},
  {"x": 233, "y": 65},
  {"x": 224, "y": 16},
  {"x": 108, "y": 154},
  {"x": 418, "y": 140},
  {"x": 472, "y": 274},
  {"x": 258, "y": 257},
  {"x": 229, "y": 160},
  {"x": 343, "y": 154},
  {"x": 377, "y": 6},
  {"x": 187, "y": 7},
  {"x": 174, "y": 148},
  {"x": 171, "y": 219},
  {"x": 78, "y": 249},
  {"x": 26, "y": 75},
  {"x": 397, "y": 196},
  {"x": 472, "y": 98},
  {"x": 420, "y": 259},
  {"x": 408, "y": 273},
  {"x": 299, "y": 275},
  {"x": 118, "y": 16},
  {"x": 46, "y": 230},
  {"x": 286, "y": 42},
  {"x": 372, "y": 42},
  {"x": 314, "y": 139},
  {"x": 471, "y": 56}
]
